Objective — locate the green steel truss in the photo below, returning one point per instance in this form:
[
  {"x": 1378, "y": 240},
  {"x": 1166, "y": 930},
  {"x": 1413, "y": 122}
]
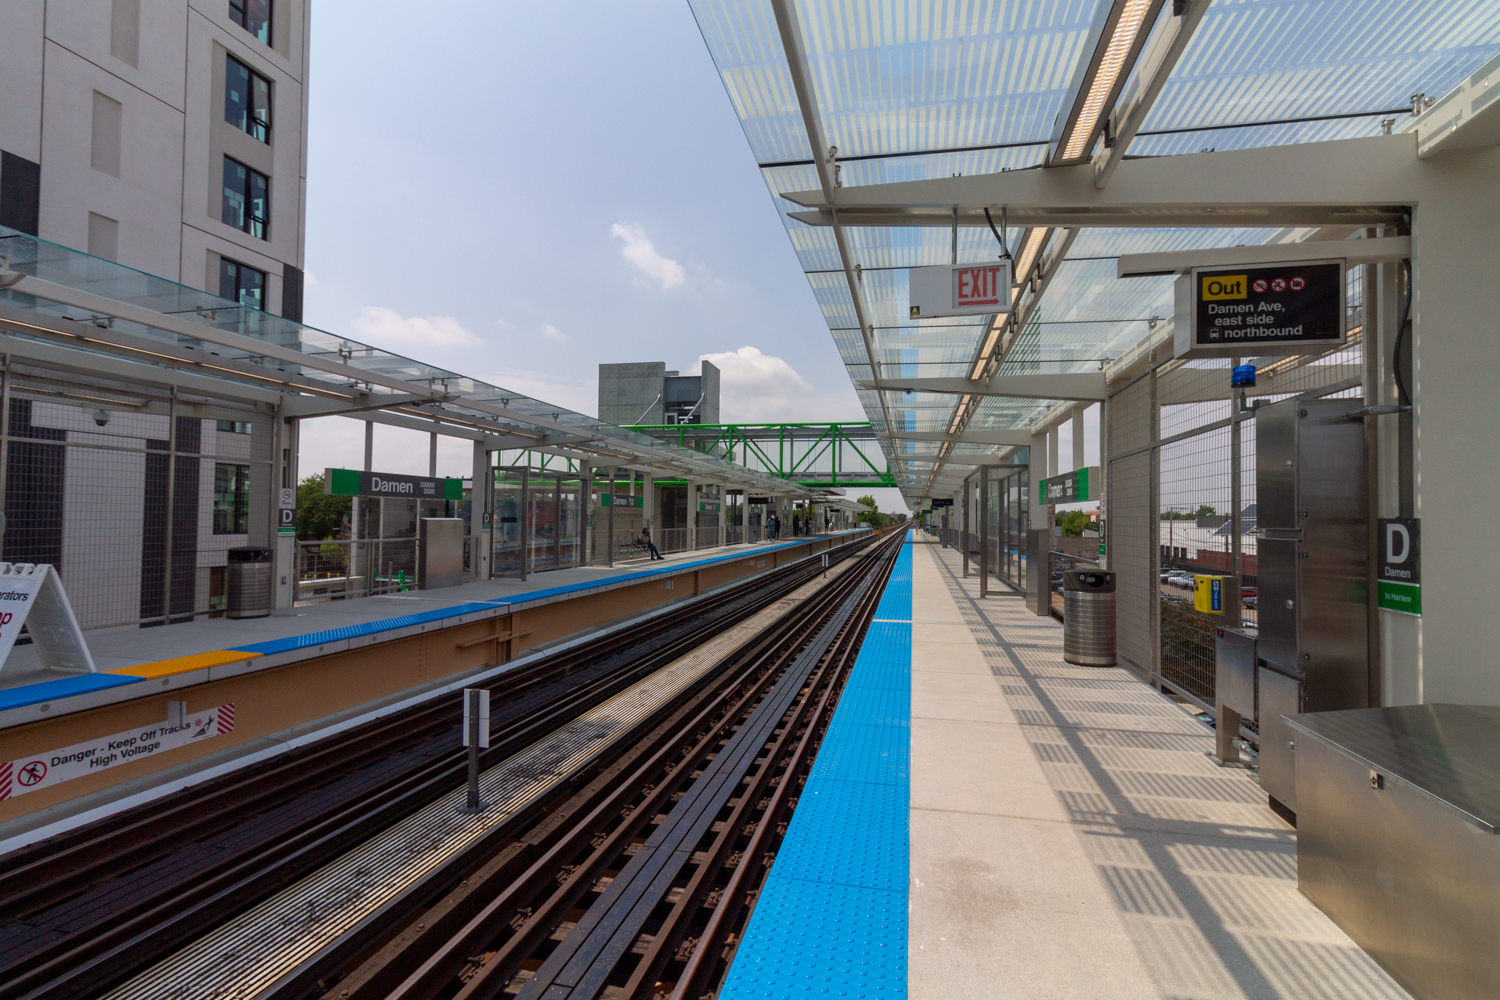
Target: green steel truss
[{"x": 812, "y": 454}]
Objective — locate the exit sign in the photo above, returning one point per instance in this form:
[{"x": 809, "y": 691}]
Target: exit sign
[{"x": 960, "y": 289}]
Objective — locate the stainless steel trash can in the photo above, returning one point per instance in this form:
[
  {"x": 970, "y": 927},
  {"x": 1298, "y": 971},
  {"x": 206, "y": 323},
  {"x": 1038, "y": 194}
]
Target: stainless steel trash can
[
  {"x": 1089, "y": 618},
  {"x": 249, "y": 582}
]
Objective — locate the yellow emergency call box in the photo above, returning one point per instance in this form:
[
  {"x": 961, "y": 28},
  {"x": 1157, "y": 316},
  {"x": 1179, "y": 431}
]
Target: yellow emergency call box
[{"x": 1208, "y": 594}]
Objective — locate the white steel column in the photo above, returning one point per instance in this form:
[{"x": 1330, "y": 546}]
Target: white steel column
[
  {"x": 692, "y": 515},
  {"x": 283, "y": 547},
  {"x": 1078, "y": 438},
  {"x": 1039, "y": 574},
  {"x": 480, "y": 507}
]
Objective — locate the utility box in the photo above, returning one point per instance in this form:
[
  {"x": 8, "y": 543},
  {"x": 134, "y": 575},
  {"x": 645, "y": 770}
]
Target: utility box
[
  {"x": 1312, "y": 569},
  {"x": 250, "y": 571},
  {"x": 1398, "y": 839},
  {"x": 440, "y": 556}
]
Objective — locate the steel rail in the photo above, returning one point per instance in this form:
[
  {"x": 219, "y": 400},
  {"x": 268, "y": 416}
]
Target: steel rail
[
  {"x": 515, "y": 906},
  {"x": 121, "y": 938}
]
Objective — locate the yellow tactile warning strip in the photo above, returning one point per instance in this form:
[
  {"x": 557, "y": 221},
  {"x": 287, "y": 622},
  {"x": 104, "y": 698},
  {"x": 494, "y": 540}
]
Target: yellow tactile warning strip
[{"x": 182, "y": 664}]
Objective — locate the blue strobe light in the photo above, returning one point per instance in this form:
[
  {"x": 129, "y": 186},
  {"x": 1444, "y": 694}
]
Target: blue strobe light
[{"x": 1242, "y": 377}]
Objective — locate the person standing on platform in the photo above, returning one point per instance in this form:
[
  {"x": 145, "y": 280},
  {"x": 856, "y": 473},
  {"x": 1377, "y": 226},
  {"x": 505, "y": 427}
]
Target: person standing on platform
[{"x": 647, "y": 543}]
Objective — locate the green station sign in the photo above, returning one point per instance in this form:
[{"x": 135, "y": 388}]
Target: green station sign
[
  {"x": 354, "y": 483},
  {"x": 621, "y": 500},
  {"x": 1078, "y": 486}
]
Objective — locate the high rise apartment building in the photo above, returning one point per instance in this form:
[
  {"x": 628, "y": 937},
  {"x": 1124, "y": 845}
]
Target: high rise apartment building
[{"x": 167, "y": 135}]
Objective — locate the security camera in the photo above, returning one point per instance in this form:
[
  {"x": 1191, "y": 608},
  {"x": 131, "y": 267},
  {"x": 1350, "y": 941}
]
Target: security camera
[{"x": 101, "y": 418}]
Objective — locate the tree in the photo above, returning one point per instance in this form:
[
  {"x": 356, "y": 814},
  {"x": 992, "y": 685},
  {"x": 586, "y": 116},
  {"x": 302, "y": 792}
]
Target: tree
[
  {"x": 1204, "y": 510},
  {"x": 1073, "y": 522},
  {"x": 873, "y": 517},
  {"x": 320, "y": 516}
]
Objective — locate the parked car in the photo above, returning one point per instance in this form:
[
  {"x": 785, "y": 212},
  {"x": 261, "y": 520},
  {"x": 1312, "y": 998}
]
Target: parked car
[{"x": 1183, "y": 580}]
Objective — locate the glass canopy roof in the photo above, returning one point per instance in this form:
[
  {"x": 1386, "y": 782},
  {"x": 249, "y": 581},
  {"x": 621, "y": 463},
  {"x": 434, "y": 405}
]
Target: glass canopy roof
[
  {"x": 911, "y": 90},
  {"x": 337, "y": 364}
]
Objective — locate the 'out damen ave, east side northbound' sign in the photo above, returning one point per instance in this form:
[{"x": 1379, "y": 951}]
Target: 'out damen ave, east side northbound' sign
[{"x": 1266, "y": 308}]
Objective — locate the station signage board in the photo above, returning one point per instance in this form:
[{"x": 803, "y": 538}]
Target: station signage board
[
  {"x": 1263, "y": 309},
  {"x": 621, "y": 500},
  {"x": 708, "y": 506},
  {"x": 1398, "y": 585},
  {"x": 960, "y": 289},
  {"x": 759, "y": 501},
  {"x": 943, "y": 502},
  {"x": 352, "y": 483},
  {"x": 1078, "y": 486}
]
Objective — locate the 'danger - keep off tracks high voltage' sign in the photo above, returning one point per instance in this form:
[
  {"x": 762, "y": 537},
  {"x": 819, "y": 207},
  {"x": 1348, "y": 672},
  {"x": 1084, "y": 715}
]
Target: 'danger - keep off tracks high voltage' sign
[{"x": 1268, "y": 309}]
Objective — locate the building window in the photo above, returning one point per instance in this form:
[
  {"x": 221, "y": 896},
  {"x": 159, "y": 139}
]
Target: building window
[
  {"x": 241, "y": 284},
  {"x": 231, "y": 498},
  {"x": 234, "y": 426},
  {"x": 247, "y": 99},
  {"x": 254, "y": 16},
  {"x": 247, "y": 203}
]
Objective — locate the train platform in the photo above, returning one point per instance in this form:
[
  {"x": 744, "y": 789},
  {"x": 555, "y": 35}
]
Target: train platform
[
  {"x": 264, "y": 684},
  {"x": 1059, "y": 830},
  {"x": 128, "y": 655}
]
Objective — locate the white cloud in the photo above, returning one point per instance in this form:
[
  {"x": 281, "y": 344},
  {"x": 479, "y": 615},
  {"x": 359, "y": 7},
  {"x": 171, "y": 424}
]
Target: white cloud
[
  {"x": 553, "y": 333},
  {"x": 756, "y": 387},
  {"x": 384, "y": 327},
  {"x": 640, "y": 251}
]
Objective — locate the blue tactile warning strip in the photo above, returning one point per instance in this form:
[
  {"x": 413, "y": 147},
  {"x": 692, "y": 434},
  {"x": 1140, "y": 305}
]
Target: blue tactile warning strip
[
  {"x": 67, "y": 687},
  {"x": 831, "y": 919}
]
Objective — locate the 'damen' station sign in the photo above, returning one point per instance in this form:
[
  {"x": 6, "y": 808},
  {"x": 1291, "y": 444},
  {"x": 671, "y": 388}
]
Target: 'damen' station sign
[{"x": 1268, "y": 309}]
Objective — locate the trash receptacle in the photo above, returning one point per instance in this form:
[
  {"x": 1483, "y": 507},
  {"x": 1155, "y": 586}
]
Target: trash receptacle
[
  {"x": 1089, "y": 618},
  {"x": 249, "y": 582}
]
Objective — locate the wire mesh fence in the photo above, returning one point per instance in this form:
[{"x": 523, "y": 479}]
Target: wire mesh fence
[
  {"x": 1182, "y": 508},
  {"x": 134, "y": 503}
]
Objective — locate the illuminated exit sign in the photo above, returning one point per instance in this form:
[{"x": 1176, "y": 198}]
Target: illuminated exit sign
[{"x": 960, "y": 289}]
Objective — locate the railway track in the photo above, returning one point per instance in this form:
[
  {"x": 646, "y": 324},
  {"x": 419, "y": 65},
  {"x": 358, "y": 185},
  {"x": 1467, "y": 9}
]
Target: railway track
[
  {"x": 82, "y": 912},
  {"x": 641, "y": 884}
]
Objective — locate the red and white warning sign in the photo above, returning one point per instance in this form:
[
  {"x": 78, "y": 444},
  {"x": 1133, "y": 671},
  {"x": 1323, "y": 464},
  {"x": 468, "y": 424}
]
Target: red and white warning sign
[
  {"x": 27, "y": 774},
  {"x": 1259, "y": 285},
  {"x": 1297, "y": 284}
]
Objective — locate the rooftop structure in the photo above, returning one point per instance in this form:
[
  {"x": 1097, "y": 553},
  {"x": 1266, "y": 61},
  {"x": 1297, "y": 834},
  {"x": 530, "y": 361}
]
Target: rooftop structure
[{"x": 647, "y": 393}]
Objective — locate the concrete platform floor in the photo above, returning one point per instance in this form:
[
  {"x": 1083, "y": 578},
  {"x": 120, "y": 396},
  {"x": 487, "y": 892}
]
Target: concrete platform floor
[
  {"x": 1069, "y": 838},
  {"x": 128, "y": 645}
]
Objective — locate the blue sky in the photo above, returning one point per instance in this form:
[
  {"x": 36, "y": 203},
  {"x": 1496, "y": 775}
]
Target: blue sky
[{"x": 522, "y": 191}]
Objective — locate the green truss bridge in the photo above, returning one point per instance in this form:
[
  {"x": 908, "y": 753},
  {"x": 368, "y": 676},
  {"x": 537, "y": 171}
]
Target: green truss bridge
[{"x": 813, "y": 454}]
